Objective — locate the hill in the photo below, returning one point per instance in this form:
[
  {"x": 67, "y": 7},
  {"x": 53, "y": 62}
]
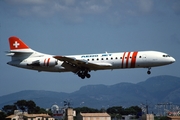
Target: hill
[{"x": 155, "y": 90}]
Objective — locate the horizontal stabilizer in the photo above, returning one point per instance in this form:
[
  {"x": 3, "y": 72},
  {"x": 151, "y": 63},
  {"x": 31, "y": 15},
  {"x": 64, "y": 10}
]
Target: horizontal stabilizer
[{"x": 10, "y": 54}]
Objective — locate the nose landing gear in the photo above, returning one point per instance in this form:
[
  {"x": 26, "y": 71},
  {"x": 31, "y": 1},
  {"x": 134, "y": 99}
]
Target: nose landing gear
[{"x": 149, "y": 72}]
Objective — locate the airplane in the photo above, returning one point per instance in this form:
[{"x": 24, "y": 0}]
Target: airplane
[{"x": 24, "y": 57}]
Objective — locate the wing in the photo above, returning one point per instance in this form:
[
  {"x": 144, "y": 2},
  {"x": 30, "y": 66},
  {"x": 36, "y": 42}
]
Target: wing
[{"x": 83, "y": 63}]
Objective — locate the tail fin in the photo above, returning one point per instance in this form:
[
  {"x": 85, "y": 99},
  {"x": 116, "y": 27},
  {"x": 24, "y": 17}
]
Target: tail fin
[
  {"x": 17, "y": 44},
  {"x": 18, "y": 49}
]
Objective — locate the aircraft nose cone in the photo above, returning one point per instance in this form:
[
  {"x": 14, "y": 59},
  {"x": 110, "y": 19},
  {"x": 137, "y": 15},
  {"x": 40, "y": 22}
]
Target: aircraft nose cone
[{"x": 172, "y": 60}]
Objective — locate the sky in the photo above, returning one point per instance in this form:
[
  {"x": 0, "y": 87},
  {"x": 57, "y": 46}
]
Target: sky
[{"x": 67, "y": 27}]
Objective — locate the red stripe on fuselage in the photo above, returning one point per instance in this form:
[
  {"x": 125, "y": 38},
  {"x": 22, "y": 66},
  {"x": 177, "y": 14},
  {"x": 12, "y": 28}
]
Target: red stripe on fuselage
[
  {"x": 133, "y": 61},
  {"x": 127, "y": 59},
  {"x": 44, "y": 62},
  {"x": 123, "y": 60},
  {"x": 48, "y": 61}
]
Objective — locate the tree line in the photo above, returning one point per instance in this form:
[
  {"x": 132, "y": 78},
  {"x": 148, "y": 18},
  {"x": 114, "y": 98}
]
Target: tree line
[{"x": 30, "y": 107}]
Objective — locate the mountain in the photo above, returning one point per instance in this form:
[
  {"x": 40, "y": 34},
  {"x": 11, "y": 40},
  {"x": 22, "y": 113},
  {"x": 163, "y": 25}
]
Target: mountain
[
  {"x": 154, "y": 90},
  {"x": 161, "y": 86}
]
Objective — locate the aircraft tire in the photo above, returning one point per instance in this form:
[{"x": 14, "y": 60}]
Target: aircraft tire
[
  {"x": 148, "y": 72},
  {"x": 88, "y": 75},
  {"x": 82, "y": 76},
  {"x": 79, "y": 74}
]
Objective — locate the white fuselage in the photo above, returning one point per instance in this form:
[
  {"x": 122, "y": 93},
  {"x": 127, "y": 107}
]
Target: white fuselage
[{"x": 119, "y": 60}]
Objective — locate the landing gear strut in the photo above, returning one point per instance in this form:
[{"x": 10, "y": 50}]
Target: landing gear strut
[
  {"x": 83, "y": 73},
  {"x": 149, "y": 72}
]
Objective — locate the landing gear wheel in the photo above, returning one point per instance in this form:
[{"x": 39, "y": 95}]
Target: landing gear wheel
[
  {"x": 82, "y": 76},
  {"x": 148, "y": 72},
  {"x": 88, "y": 75},
  {"x": 83, "y": 73},
  {"x": 79, "y": 74}
]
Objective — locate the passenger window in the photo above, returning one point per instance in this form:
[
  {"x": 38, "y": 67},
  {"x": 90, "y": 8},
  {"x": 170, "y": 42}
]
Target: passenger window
[
  {"x": 111, "y": 58},
  {"x": 106, "y": 58},
  {"x": 116, "y": 58},
  {"x": 87, "y": 59},
  {"x": 121, "y": 58},
  {"x": 92, "y": 59},
  {"x": 97, "y": 58},
  {"x": 101, "y": 58},
  {"x": 139, "y": 56}
]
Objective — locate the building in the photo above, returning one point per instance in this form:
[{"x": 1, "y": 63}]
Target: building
[
  {"x": 25, "y": 116},
  {"x": 94, "y": 116},
  {"x": 148, "y": 117},
  {"x": 173, "y": 117},
  {"x": 70, "y": 114},
  {"x": 37, "y": 117},
  {"x": 58, "y": 113},
  {"x": 30, "y": 117}
]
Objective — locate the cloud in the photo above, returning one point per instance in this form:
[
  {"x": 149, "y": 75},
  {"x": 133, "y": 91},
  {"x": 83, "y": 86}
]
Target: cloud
[
  {"x": 67, "y": 9},
  {"x": 77, "y": 10},
  {"x": 27, "y": 2},
  {"x": 94, "y": 7},
  {"x": 62, "y": 6}
]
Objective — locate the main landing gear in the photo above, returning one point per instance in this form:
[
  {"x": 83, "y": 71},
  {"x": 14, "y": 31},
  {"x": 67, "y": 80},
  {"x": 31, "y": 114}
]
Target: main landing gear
[
  {"x": 83, "y": 73},
  {"x": 149, "y": 72}
]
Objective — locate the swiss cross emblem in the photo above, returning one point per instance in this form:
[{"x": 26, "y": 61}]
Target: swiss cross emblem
[{"x": 16, "y": 44}]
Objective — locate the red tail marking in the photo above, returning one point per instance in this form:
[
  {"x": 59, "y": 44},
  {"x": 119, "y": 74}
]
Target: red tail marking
[
  {"x": 127, "y": 60},
  {"x": 123, "y": 60},
  {"x": 133, "y": 61},
  {"x": 16, "y": 43}
]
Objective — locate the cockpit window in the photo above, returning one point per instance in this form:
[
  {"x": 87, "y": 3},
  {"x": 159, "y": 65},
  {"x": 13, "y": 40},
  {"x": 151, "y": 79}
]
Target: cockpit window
[{"x": 166, "y": 56}]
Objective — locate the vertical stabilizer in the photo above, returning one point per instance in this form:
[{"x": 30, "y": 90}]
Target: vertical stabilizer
[
  {"x": 18, "y": 49},
  {"x": 17, "y": 44}
]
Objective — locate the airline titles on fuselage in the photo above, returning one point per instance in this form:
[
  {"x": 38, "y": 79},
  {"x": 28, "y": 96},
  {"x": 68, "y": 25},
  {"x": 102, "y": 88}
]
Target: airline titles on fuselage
[{"x": 96, "y": 55}]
